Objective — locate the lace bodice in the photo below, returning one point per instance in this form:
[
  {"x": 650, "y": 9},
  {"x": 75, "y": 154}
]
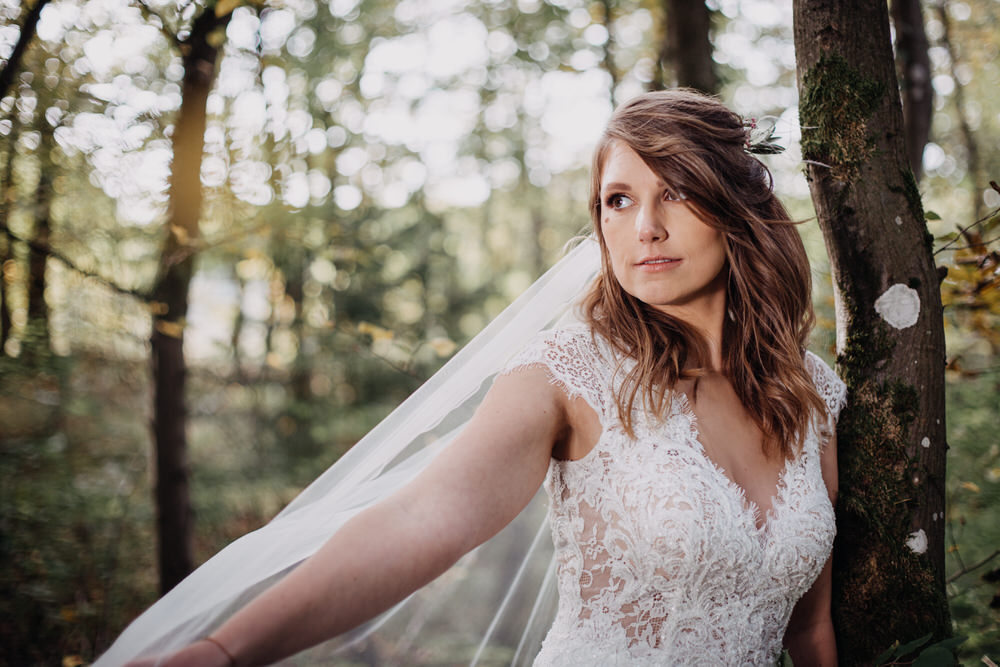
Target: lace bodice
[{"x": 660, "y": 557}]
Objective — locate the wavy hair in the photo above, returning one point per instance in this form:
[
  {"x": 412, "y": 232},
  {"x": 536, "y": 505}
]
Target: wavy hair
[{"x": 694, "y": 143}]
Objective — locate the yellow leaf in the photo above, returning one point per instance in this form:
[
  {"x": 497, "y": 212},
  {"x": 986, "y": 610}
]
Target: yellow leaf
[
  {"x": 181, "y": 234},
  {"x": 376, "y": 332},
  {"x": 224, "y": 7},
  {"x": 68, "y": 614},
  {"x": 443, "y": 347},
  {"x": 172, "y": 329},
  {"x": 72, "y": 661},
  {"x": 158, "y": 308},
  {"x": 970, "y": 486}
]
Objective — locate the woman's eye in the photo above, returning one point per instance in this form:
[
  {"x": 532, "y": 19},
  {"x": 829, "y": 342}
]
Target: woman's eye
[
  {"x": 673, "y": 196},
  {"x": 618, "y": 201}
]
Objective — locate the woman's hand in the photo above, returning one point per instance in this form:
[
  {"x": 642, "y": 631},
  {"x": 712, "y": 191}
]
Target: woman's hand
[{"x": 202, "y": 653}]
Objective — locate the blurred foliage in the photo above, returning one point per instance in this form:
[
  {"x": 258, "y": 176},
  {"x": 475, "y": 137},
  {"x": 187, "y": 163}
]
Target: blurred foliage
[{"x": 380, "y": 179}]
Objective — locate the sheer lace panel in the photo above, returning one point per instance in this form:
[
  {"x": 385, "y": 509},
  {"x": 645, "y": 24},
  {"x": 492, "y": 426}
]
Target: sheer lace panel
[{"x": 660, "y": 557}]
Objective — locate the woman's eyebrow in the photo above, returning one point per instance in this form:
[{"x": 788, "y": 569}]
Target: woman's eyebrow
[{"x": 625, "y": 186}]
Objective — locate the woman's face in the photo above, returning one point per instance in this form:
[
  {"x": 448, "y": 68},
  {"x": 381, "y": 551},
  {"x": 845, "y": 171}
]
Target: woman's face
[{"x": 661, "y": 252}]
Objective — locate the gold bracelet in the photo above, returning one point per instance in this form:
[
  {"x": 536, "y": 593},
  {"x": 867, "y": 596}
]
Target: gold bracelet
[{"x": 213, "y": 640}]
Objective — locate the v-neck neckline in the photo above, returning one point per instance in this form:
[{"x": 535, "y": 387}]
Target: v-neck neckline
[{"x": 761, "y": 521}]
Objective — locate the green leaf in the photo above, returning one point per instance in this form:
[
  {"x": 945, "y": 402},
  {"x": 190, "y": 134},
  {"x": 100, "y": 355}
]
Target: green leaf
[
  {"x": 935, "y": 656},
  {"x": 886, "y": 654},
  {"x": 931, "y": 215},
  {"x": 910, "y": 647},
  {"x": 950, "y": 643},
  {"x": 785, "y": 660}
]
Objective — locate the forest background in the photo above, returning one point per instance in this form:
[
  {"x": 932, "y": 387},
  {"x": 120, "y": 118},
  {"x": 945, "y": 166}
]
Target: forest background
[{"x": 378, "y": 179}]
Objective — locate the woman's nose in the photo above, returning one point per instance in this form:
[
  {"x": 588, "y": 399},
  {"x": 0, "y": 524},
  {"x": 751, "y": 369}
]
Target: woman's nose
[{"x": 649, "y": 225}]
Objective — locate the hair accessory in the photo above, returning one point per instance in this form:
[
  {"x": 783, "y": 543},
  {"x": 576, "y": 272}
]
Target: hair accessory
[
  {"x": 760, "y": 139},
  {"x": 213, "y": 640}
]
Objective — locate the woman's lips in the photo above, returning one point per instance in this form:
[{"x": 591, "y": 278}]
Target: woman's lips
[{"x": 655, "y": 264}]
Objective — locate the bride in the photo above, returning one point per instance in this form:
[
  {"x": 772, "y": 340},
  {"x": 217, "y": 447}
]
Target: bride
[{"x": 684, "y": 436}]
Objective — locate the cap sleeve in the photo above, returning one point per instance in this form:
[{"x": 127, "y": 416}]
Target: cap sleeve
[
  {"x": 831, "y": 388},
  {"x": 571, "y": 360}
]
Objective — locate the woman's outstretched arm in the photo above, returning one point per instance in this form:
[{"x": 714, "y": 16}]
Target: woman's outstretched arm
[{"x": 468, "y": 493}]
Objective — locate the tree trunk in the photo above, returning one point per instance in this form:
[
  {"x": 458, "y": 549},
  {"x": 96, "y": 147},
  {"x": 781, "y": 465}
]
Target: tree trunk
[
  {"x": 686, "y": 47},
  {"x": 23, "y": 39},
  {"x": 5, "y": 322},
  {"x": 170, "y": 297},
  {"x": 915, "y": 75},
  {"x": 7, "y": 196},
  {"x": 890, "y": 334},
  {"x": 608, "y": 58},
  {"x": 37, "y": 339},
  {"x": 972, "y": 160}
]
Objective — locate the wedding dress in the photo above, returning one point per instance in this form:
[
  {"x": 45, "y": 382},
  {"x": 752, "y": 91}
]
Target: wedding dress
[
  {"x": 657, "y": 558},
  {"x": 661, "y": 558}
]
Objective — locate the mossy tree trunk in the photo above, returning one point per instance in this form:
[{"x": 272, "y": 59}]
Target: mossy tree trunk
[
  {"x": 686, "y": 47},
  {"x": 888, "y": 582},
  {"x": 199, "y": 50}
]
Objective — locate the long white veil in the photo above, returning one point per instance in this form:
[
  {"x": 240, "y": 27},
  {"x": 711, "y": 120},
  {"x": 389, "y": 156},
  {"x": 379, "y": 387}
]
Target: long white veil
[{"x": 493, "y": 607}]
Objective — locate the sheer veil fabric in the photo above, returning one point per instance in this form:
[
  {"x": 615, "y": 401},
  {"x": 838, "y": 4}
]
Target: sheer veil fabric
[{"x": 493, "y": 607}]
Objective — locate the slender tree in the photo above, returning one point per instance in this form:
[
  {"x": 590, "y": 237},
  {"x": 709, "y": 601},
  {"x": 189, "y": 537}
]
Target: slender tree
[
  {"x": 32, "y": 14},
  {"x": 199, "y": 51},
  {"x": 914, "y": 65},
  {"x": 38, "y": 309},
  {"x": 6, "y": 242},
  {"x": 608, "y": 50},
  {"x": 973, "y": 159},
  {"x": 686, "y": 46},
  {"x": 889, "y": 556}
]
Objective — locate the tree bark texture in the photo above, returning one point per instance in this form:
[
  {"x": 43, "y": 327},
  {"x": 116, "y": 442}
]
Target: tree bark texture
[
  {"x": 608, "y": 58},
  {"x": 170, "y": 302},
  {"x": 888, "y": 583},
  {"x": 23, "y": 40},
  {"x": 5, "y": 322},
  {"x": 686, "y": 47},
  {"x": 38, "y": 310},
  {"x": 7, "y": 196},
  {"x": 914, "y": 66}
]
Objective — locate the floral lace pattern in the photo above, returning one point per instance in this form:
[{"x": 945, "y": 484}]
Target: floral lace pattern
[{"x": 660, "y": 556}]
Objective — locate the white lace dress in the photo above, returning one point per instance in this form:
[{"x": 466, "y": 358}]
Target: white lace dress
[{"x": 660, "y": 559}]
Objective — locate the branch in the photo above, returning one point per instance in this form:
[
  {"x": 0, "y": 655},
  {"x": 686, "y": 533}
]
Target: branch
[
  {"x": 966, "y": 570},
  {"x": 148, "y": 12},
  {"x": 27, "y": 33},
  {"x": 405, "y": 370},
  {"x": 974, "y": 245},
  {"x": 954, "y": 547},
  {"x": 49, "y": 251},
  {"x": 962, "y": 230}
]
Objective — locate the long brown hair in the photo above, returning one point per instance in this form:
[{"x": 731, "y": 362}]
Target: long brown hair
[{"x": 696, "y": 144}]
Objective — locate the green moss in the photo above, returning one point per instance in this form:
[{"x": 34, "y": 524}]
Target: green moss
[
  {"x": 883, "y": 591},
  {"x": 910, "y": 190},
  {"x": 912, "y": 193},
  {"x": 836, "y": 104}
]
